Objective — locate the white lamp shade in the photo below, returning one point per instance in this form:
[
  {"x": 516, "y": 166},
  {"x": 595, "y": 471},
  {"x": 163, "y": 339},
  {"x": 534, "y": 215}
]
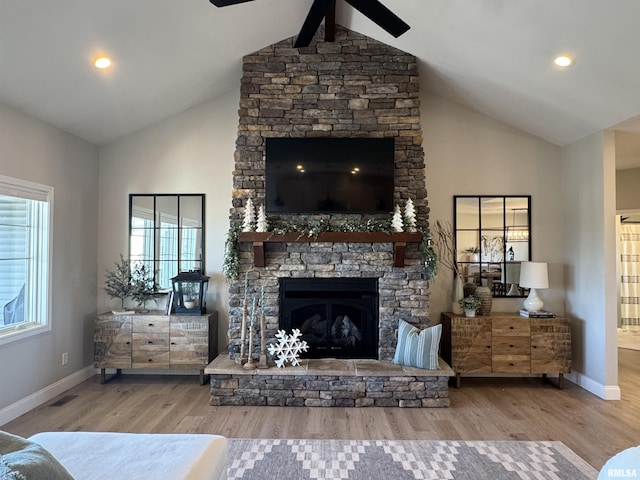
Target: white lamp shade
[{"x": 534, "y": 275}]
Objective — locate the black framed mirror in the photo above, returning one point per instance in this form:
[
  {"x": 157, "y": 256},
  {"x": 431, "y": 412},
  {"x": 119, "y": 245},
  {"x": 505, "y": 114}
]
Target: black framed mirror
[
  {"x": 166, "y": 233},
  {"x": 492, "y": 237}
]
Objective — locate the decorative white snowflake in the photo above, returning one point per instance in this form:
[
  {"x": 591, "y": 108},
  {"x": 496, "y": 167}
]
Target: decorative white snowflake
[{"x": 288, "y": 347}]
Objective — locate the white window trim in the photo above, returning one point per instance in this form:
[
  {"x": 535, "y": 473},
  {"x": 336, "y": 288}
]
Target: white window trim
[{"x": 33, "y": 191}]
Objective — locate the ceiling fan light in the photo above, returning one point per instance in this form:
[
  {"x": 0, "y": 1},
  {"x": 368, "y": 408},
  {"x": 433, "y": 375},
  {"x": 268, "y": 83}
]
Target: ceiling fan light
[
  {"x": 563, "y": 61},
  {"x": 102, "y": 62}
]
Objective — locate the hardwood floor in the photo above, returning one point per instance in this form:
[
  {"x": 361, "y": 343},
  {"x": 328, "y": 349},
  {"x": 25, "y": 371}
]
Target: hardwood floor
[{"x": 483, "y": 409}]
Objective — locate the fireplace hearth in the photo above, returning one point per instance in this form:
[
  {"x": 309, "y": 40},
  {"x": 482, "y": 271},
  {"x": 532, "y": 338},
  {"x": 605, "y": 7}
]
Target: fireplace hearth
[{"x": 338, "y": 317}]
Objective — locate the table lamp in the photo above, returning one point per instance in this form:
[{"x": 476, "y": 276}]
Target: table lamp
[{"x": 533, "y": 275}]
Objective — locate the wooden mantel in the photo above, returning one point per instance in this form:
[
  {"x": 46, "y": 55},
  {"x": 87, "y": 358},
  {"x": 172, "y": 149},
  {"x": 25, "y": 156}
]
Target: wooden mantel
[{"x": 399, "y": 241}]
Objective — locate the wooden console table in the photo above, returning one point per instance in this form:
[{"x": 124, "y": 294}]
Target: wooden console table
[
  {"x": 154, "y": 340},
  {"x": 399, "y": 240},
  {"x": 506, "y": 343}
]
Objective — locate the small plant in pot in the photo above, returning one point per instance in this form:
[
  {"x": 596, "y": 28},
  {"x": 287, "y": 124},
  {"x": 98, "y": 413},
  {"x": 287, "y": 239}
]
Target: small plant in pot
[
  {"x": 190, "y": 294},
  {"x": 144, "y": 286},
  {"x": 470, "y": 305},
  {"x": 118, "y": 284}
]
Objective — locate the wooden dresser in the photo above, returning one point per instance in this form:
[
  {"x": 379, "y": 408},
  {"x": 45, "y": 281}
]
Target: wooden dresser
[
  {"x": 154, "y": 340},
  {"x": 506, "y": 343}
]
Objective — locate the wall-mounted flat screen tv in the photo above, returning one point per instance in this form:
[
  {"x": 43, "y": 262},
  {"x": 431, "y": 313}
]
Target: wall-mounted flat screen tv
[{"x": 329, "y": 175}]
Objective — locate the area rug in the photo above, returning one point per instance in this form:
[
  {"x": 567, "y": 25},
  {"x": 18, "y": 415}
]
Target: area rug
[{"x": 403, "y": 459}]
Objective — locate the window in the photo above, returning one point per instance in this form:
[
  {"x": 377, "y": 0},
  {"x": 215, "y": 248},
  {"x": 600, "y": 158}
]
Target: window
[{"x": 25, "y": 242}]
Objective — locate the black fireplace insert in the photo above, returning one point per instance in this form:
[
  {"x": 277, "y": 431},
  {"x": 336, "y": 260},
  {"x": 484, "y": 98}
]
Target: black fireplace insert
[{"x": 338, "y": 317}]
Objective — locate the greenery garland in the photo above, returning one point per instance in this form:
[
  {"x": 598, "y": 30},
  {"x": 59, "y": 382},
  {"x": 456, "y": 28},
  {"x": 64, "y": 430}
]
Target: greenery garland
[{"x": 231, "y": 263}]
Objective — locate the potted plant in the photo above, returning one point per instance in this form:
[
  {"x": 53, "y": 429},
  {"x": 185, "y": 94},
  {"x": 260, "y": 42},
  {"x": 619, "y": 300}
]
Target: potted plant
[
  {"x": 190, "y": 294},
  {"x": 143, "y": 285},
  {"x": 470, "y": 305},
  {"x": 118, "y": 283}
]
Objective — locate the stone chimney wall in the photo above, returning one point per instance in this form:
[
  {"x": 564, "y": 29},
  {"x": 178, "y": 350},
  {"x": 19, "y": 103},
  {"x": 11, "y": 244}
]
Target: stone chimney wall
[{"x": 353, "y": 87}]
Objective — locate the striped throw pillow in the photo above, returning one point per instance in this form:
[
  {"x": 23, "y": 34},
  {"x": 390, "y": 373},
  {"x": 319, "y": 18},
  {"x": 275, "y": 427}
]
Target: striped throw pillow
[{"x": 418, "y": 348}]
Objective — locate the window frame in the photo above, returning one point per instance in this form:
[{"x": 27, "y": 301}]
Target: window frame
[{"x": 13, "y": 187}]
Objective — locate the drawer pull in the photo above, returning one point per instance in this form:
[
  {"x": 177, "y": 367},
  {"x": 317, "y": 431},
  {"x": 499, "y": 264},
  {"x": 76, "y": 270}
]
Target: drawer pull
[
  {"x": 173, "y": 343},
  {"x": 150, "y": 342},
  {"x": 128, "y": 343},
  {"x": 150, "y": 360},
  {"x": 511, "y": 327},
  {"x": 151, "y": 324},
  {"x": 510, "y": 346},
  {"x": 511, "y": 364}
]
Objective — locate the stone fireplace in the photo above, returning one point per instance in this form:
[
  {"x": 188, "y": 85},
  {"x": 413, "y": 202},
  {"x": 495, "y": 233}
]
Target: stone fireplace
[{"x": 353, "y": 87}]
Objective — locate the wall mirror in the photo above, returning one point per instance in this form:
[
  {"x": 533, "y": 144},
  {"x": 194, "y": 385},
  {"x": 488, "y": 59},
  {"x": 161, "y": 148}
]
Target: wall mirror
[
  {"x": 166, "y": 233},
  {"x": 492, "y": 236}
]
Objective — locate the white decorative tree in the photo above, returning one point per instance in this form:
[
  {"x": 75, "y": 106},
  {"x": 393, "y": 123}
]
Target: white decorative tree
[
  {"x": 396, "y": 221},
  {"x": 249, "y": 217},
  {"x": 410, "y": 216},
  {"x": 261, "y": 225}
]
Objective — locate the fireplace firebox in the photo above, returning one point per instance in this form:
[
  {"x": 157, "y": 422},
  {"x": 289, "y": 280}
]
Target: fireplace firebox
[{"x": 338, "y": 317}]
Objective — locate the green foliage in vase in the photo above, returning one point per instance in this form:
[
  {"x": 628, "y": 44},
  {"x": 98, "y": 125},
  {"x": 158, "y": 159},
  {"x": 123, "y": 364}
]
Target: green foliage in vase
[
  {"x": 470, "y": 303},
  {"x": 118, "y": 282},
  {"x": 144, "y": 286}
]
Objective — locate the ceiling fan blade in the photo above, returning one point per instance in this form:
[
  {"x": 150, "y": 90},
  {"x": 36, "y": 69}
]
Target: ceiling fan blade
[
  {"x": 310, "y": 26},
  {"x": 381, "y": 15},
  {"x": 226, "y": 3}
]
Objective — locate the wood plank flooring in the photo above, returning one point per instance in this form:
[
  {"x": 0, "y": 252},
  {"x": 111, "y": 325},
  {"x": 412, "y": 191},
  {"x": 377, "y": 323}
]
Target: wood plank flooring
[{"x": 483, "y": 409}]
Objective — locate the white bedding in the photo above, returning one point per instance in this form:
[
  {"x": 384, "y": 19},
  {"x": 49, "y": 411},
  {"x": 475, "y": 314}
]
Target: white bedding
[{"x": 139, "y": 456}]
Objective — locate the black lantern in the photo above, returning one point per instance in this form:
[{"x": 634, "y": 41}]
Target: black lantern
[{"x": 190, "y": 293}]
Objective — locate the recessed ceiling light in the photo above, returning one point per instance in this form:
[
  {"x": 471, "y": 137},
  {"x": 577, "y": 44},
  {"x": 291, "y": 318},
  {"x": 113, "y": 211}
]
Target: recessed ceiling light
[
  {"x": 102, "y": 62},
  {"x": 563, "y": 61}
]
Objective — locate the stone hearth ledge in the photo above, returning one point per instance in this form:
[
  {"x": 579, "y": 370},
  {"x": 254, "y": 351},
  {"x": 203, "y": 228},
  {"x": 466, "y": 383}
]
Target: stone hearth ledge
[{"x": 329, "y": 382}]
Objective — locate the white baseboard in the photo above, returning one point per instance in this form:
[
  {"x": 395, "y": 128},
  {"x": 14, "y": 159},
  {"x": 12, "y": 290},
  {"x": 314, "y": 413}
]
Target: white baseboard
[
  {"x": 606, "y": 392},
  {"x": 36, "y": 399}
]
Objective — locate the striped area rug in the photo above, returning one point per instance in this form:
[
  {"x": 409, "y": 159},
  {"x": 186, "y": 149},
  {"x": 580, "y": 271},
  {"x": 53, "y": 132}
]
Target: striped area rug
[{"x": 279, "y": 459}]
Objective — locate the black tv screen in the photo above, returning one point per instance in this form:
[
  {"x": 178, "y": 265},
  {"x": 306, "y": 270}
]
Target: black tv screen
[{"x": 329, "y": 175}]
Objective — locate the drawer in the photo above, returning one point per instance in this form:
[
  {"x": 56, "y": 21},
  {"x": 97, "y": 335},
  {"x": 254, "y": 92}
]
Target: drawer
[
  {"x": 511, "y": 364},
  {"x": 150, "y": 341},
  {"x": 151, "y": 324},
  {"x": 150, "y": 360},
  {"x": 511, "y": 345},
  {"x": 150, "y": 350},
  {"x": 509, "y": 327}
]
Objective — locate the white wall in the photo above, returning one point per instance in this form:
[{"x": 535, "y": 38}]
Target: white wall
[
  {"x": 590, "y": 282},
  {"x": 470, "y": 154},
  {"x": 35, "y": 151},
  {"x": 191, "y": 152}
]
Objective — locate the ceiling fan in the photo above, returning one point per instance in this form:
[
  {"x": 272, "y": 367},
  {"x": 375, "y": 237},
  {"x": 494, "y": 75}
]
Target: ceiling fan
[{"x": 372, "y": 9}]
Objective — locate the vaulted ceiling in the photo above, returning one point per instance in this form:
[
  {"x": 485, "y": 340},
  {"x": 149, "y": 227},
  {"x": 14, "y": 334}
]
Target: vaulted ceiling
[{"x": 494, "y": 56}]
